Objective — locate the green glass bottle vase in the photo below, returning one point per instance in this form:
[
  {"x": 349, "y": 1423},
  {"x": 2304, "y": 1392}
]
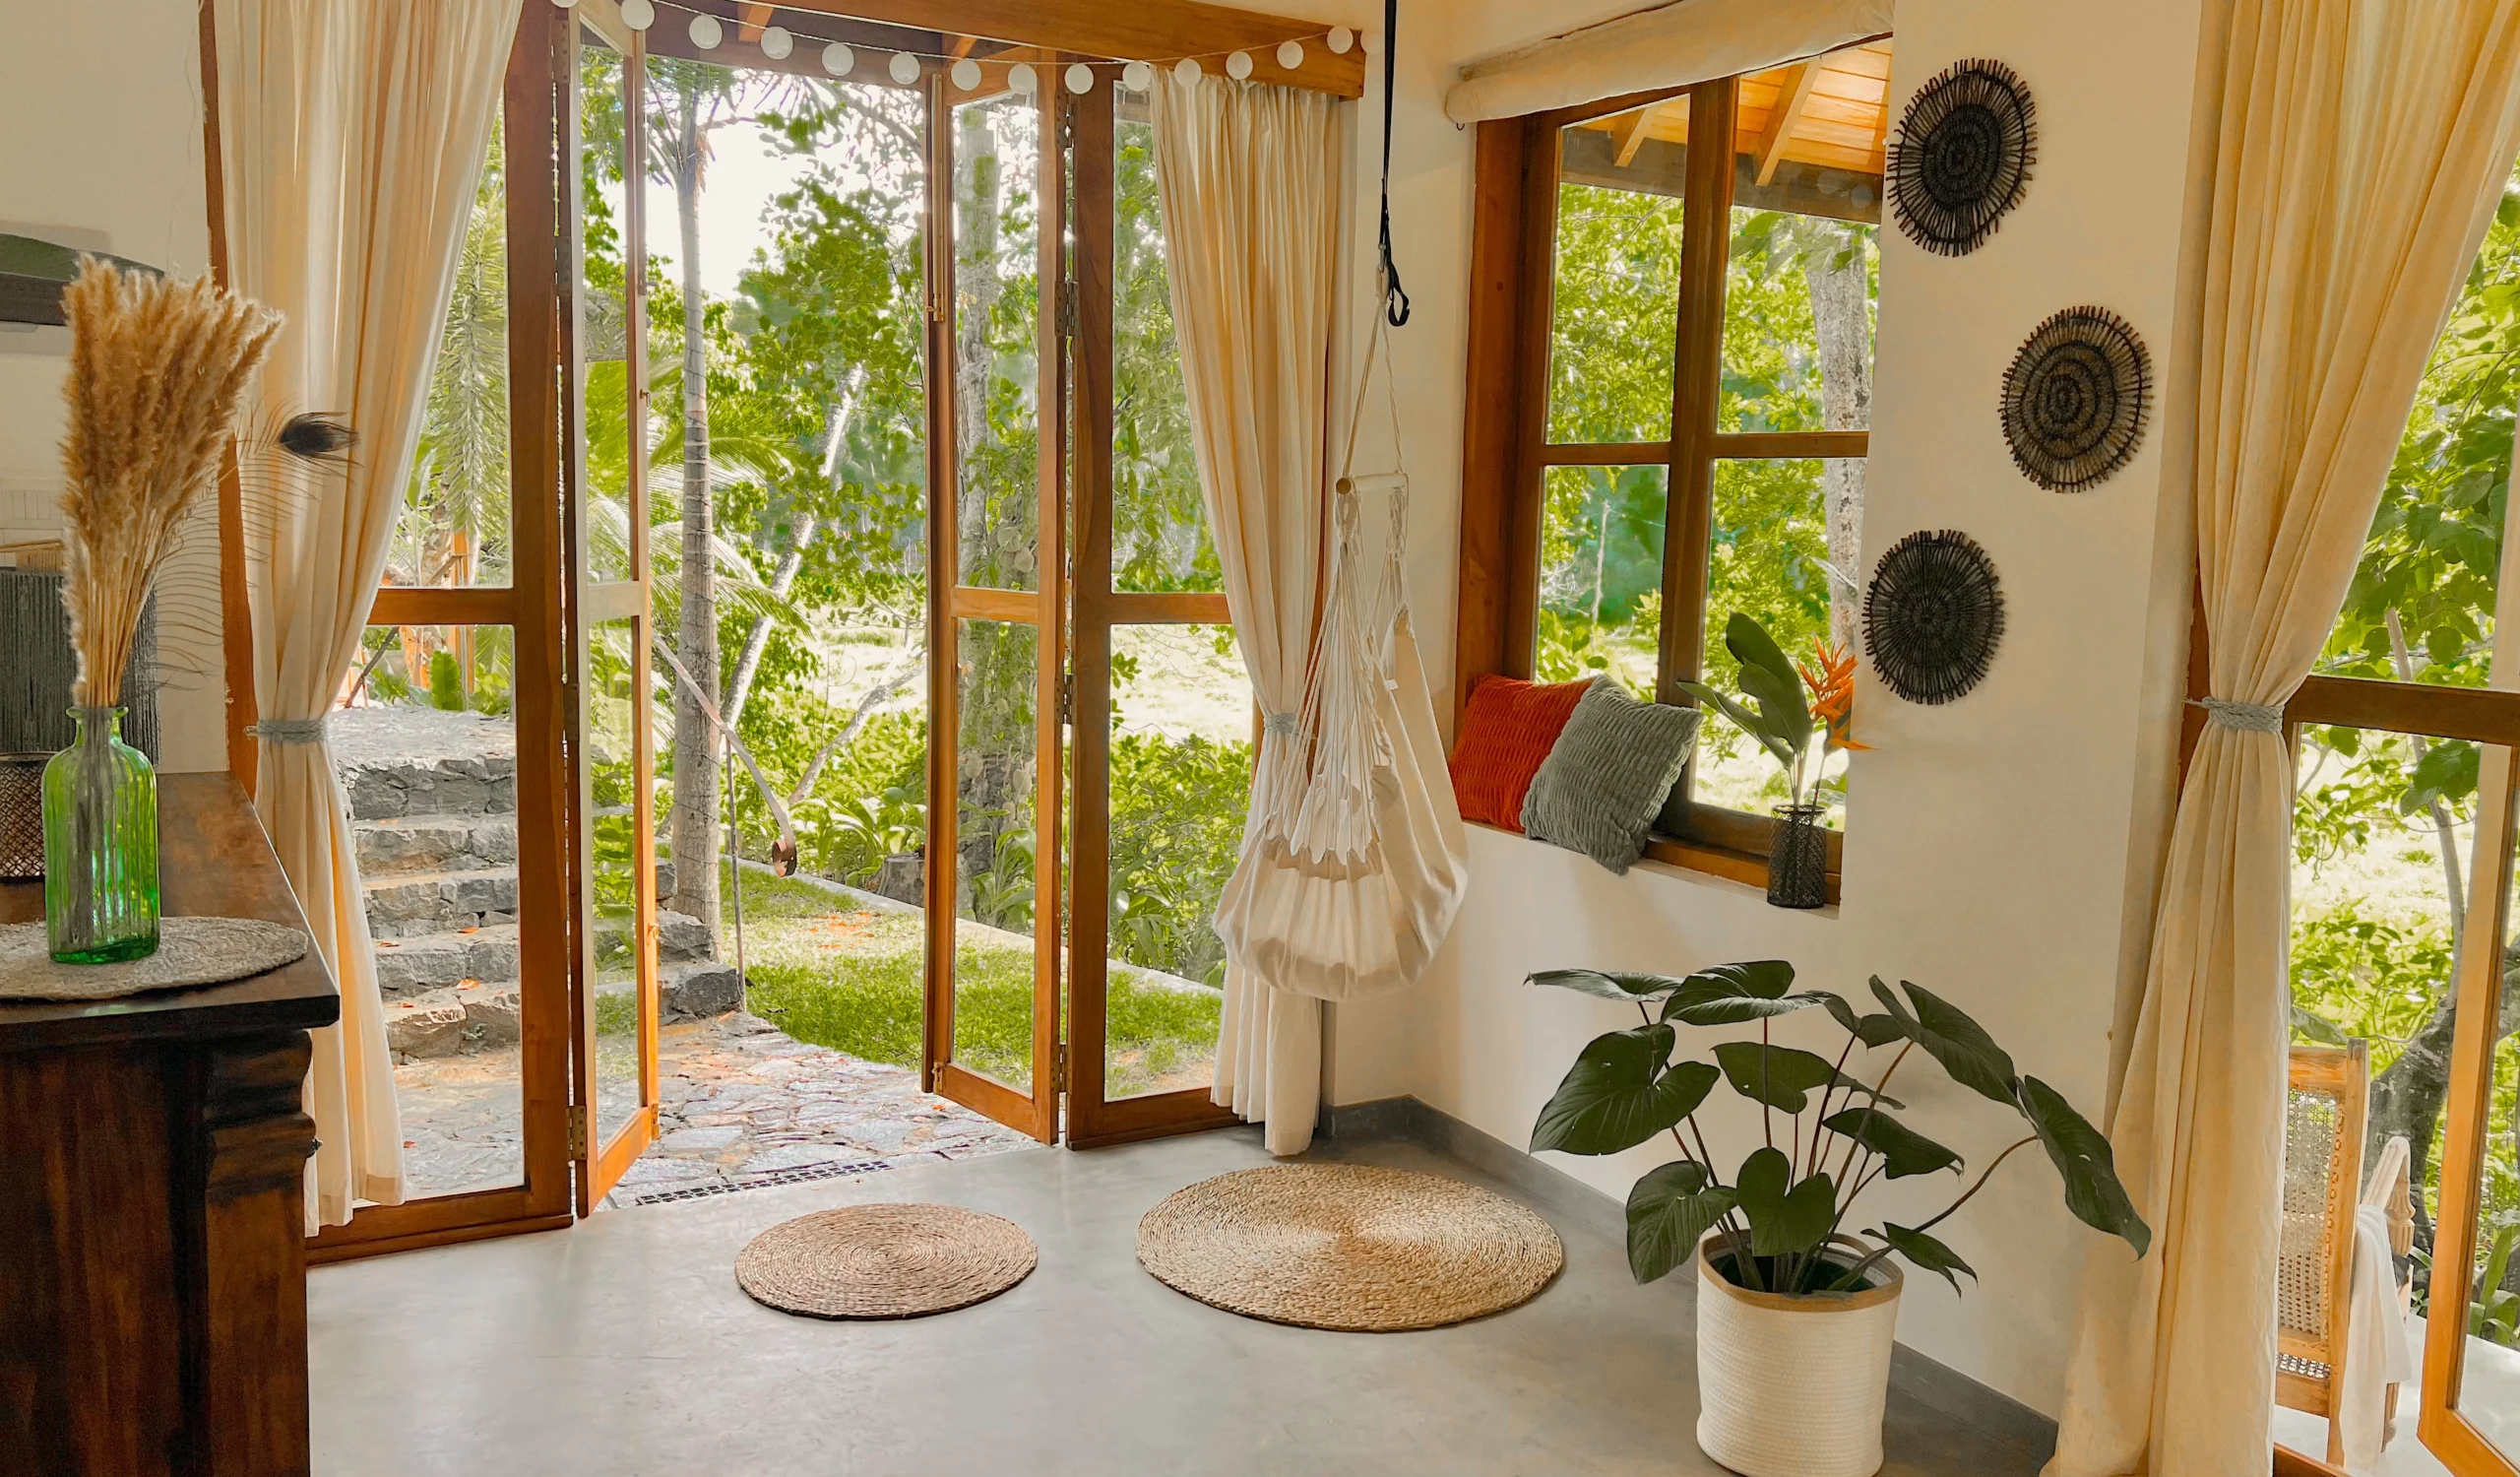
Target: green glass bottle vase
[{"x": 99, "y": 846}]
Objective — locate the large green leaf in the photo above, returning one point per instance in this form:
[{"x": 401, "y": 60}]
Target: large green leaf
[
  {"x": 1620, "y": 1092},
  {"x": 1951, "y": 1038},
  {"x": 1871, "y": 1030},
  {"x": 1745, "y": 717},
  {"x": 1903, "y": 1150},
  {"x": 1781, "y": 1078},
  {"x": 1668, "y": 1213},
  {"x": 1786, "y": 1219},
  {"x": 1728, "y": 994},
  {"x": 2092, "y": 1191},
  {"x": 1926, "y": 1252},
  {"x": 1607, "y": 985}
]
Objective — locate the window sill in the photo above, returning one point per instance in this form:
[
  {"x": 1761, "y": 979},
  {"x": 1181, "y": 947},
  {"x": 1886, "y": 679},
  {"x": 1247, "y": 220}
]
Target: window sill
[{"x": 1746, "y": 867}]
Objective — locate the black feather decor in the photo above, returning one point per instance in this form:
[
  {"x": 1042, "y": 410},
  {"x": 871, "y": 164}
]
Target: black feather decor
[
  {"x": 2076, "y": 399},
  {"x": 1934, "y": 615},
  {"x": 1962, "y": 157},
  {"x": 314, "y": 437}
]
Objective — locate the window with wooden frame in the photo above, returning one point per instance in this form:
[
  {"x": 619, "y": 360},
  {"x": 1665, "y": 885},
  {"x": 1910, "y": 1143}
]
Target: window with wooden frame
[
  {"x": 2403, "y": 930},
  {"x": 1671, "y": 386}
]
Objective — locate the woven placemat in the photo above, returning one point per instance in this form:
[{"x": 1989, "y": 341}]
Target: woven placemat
[
  {"x": 190, "y": 951},
  {"x": 884, "y": 1262},
  {"x": 1349, "y": 1246}
]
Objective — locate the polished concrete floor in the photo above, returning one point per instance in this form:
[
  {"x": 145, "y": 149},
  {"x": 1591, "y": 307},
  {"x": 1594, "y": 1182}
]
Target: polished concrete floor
[{"x": 623, "y": 1347}]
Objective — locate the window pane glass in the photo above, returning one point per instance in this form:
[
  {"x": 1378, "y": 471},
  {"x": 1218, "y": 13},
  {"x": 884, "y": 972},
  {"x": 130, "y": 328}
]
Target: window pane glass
[
  {"x": 1805, "y": 258},
  {"x": 2421, "y": 606},
  {"x": 425, "y": 750},
  {"x": 1601, "y": 573},
  {"x": 453, "y": 528},
  {"x": 614, "y": 708},
  {"x": 602, "y": 307},
  {"x": 2487, "y": 1392},
  {"x": 997, "y": 152},
  {"x": 1159, "y": 539},
  {"x": 1784, "y": 537},
  {"x": 1615, "y": 287},
  {"x": 995, "y": 774},
  {"x": 1182, "y": 720}
]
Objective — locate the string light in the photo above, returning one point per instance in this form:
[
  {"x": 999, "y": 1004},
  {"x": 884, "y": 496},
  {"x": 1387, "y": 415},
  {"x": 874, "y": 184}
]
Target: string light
[
  {"x": 967, "y": 75},
  {"x": 1238, "y": 65},
  {"x": 1023, "y": 79},
  {"x": 904, "y": 68},
  {"x": 1186, "y": 71},
  {"x": 1341, "y": 40},
  {"x": 1137, "y": 76},
  {"x": 637, "y": 15},
  {"x": 706, "y": 33},
  {"x": 1290, "y": 54},
  {"x": 777, "y": 42},
  {"x": 564, "y": 4},
  {"x": 838, "y": 59},
  {"x": 1079, "y": 79}
]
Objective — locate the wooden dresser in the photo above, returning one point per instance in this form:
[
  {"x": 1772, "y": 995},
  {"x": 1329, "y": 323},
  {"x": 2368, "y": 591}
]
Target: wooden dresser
[{"x": 152, "y": 1272}]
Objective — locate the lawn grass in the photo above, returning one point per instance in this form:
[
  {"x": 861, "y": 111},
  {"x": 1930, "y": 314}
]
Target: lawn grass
[{"x": 854, "y": 980}]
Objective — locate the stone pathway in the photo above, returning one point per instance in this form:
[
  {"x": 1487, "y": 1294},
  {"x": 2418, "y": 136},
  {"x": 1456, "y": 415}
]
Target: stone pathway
[{"x": 742, "y": 1104}]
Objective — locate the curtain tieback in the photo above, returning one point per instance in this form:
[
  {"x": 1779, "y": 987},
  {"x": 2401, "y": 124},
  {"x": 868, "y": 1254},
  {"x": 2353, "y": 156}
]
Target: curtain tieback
[
  {"x": 2247, "y": 718},
  {"x": 1280, "y": 724},
  {"x": 292, "y": 730}
]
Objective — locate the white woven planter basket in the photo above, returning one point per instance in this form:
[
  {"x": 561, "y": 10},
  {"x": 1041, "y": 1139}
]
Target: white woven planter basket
[{"x": 1793, "y": 1387}]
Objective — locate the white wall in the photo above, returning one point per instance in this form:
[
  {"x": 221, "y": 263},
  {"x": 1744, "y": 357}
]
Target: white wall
[
  {"x": 2000, "y": 850},
  {"x": 102, "y": 103}
]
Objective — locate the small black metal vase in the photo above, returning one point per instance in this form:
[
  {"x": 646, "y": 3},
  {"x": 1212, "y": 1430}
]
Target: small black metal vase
[{"x": 1799, "y": 858}]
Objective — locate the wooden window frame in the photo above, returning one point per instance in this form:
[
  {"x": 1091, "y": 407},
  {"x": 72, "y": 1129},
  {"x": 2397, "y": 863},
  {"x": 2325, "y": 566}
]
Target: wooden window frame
[{"x": 1506, "y": 452}]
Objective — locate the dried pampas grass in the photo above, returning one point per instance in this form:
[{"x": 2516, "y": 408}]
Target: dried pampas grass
[{"x": 157, "y": 373}]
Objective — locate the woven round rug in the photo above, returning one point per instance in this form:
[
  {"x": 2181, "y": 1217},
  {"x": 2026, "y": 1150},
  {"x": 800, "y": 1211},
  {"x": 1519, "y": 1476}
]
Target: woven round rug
[
  {"x": 884, "y": 1262},
  {"x": 1349, "y": 1246},
  {"x": 190, "y": 951}
]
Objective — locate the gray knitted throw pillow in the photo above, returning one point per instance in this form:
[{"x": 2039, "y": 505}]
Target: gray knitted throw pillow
[{"x": 1607, "y": 779}]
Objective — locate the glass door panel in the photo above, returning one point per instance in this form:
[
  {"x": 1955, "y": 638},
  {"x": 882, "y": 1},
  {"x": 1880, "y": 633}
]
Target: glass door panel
[{"x": 997, "y": 566}]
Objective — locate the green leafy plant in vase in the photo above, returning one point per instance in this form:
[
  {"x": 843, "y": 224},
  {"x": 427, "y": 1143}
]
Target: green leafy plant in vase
[
  {"x": 1779, "y": 1240},
  {"x": 1801, "y": 715}
]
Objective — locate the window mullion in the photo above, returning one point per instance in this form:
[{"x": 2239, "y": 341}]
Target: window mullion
[{"x": 1705, "y": 249}]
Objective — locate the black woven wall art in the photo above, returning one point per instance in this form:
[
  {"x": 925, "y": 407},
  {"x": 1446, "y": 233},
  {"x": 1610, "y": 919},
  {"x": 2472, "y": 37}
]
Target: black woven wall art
[
  {"x": 1962, "y": 157},
  {"x": 1934, "y": 615},
  {"x": 2076, "y": 399}
]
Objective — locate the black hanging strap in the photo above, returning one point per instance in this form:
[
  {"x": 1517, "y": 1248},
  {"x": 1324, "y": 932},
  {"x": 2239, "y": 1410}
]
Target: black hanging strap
[{"x": 1395, "y": 302}]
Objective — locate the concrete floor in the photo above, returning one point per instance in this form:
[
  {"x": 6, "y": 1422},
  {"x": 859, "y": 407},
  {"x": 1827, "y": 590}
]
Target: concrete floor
[{"x": 625, "y": 1347}]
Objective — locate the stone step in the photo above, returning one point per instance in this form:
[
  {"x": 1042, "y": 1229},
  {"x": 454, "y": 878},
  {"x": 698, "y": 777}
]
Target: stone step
[
  {"x": 412, "y": 967},
  {"x": 401, "y": 760},
  {"x": 434, "y": 843},
  {"x": 680, "y": 937},
  {"x": 449, "y": 1022},
  {"x": 418, "y": 904}
]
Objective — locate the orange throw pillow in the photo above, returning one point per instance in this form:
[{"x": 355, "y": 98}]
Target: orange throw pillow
[{"x": 1507, "y": 728}]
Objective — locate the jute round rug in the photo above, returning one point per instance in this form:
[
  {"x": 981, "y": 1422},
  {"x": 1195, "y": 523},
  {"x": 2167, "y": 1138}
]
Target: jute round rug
[
  {"x": 884, "y": 1262},
  {"x": 1348, "y": 1247}
]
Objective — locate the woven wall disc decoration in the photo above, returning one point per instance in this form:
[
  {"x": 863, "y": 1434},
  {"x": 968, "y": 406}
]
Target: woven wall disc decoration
[
  {"x": 1962, "y": 157},
  {"x": 1934, "y": 615},
  {"x": 2076, "y": 399},
  {"x": 884, "y": 1262},
  {"x": 1348, "y": 1247}
]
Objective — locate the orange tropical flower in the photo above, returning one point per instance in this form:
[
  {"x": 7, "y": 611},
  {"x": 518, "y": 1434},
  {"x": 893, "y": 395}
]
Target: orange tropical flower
[{"x": 1833, "y": 692}]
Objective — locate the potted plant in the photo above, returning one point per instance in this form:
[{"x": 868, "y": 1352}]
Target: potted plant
[
  {"x": 1796, "y": 1305},
  {"x": 1783, "y": 707}
]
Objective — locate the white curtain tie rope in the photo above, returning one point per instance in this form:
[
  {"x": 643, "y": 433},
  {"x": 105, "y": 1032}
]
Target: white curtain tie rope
[
  {"x": 292, "y": 730},
  {"x": 2247, "y": 718},
  {"x": 1282, "y": 725}
]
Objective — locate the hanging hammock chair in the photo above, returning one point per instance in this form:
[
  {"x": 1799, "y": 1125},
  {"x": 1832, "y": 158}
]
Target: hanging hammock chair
[{"x": 1353, "y": 860}]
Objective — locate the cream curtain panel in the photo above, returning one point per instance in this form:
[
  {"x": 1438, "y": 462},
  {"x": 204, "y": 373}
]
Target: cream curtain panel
[
  {"x": 2362, "y": 149},
  {"x": 351, "y": 134},
  {"x": 1670, "y": 46},
  {"x": 1250, "y": 180}
]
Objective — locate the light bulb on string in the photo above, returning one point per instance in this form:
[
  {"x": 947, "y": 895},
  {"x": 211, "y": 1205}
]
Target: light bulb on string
[
  {"x": 777, "y": 42},
  {"x": 1369, "y": 42},
  {"x": 967, "y": 75},
  {"x": 1137, "y": 76},
  {"x": 1290, "y": 54},
  {"x": 838, "y": 59},
  {"x": 1186, "y": 71},
  {"x": 904, "y": 68},
  {"x": 564, "y": 4},
  {"x": 1023, "y": 79},
  {"x": 1079, "y": 79},
  {"x": 637, "y": 15},
  {"x": 1341, "y": 39},
  {"x": 706, "y": 33},
  {"x": 1238, "y": 65}
]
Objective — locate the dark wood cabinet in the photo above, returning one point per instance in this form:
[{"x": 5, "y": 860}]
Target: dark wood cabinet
[{"x": 153, "y": 1270}]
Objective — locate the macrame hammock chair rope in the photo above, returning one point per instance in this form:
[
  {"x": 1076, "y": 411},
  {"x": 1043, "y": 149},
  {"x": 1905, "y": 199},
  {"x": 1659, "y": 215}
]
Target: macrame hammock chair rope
[{"x": 1353, "y": 861}]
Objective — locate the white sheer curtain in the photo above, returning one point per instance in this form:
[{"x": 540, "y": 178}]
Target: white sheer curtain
[
  {"x": 1250, "y": 180},
  {"x": 351, "y": 134},
  {"x": 2362, "y": 147}
]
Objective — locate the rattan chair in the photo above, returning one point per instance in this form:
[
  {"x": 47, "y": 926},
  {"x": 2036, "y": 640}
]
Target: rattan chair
[{"x": 2324, "y": 1123}]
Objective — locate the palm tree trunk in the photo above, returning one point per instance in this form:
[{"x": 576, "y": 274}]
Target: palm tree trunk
[
  {"x": 1836, "y": 274},
  {"x": 695, "y": 829}
]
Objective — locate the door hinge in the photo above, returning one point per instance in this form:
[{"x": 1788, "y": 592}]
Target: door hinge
[
  {"x": 1067, "y": 308},
  {"x": 577, "y": 1130},
  {"x": 1067, "y": 699},
  {"x": 1059, "y": 1068}
]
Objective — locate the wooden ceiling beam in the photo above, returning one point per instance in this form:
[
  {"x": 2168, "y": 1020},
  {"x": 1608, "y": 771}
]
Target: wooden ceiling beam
[
  {"x": 1791, "y": 96},
  {"x": 750, "y": 19},
  {"x": 1154, "y": 31},
  {"x": 1630, "y": 132}
]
